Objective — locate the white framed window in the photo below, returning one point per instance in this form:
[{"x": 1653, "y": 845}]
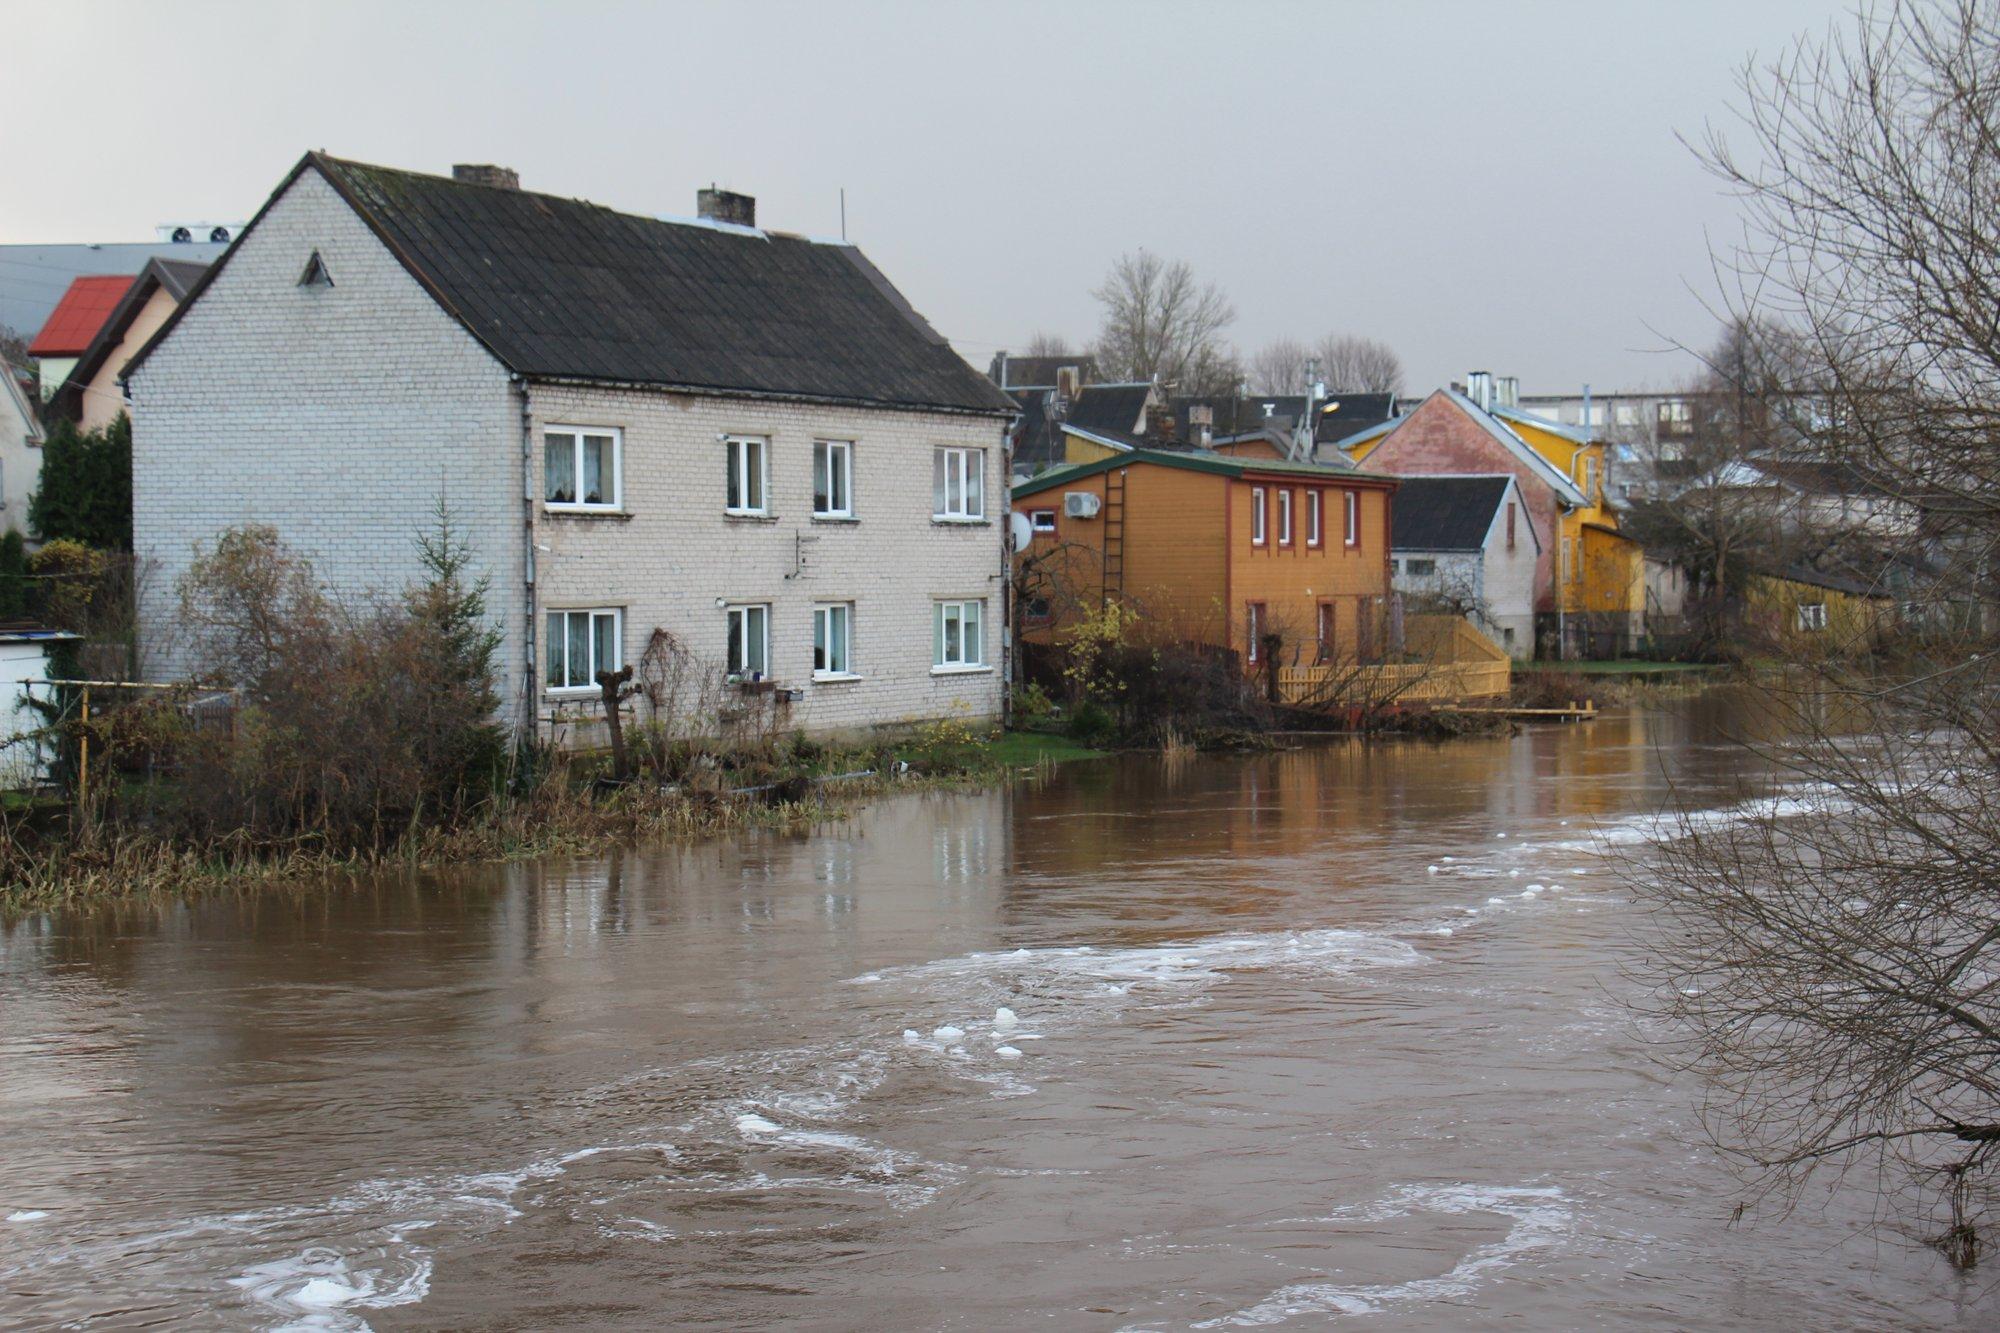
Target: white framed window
[
  {"x": 1257, "y": 516},
  {"x": 1285, "y": 517},
  {"x": 1422, "y": 569},
  {"x": 579, "y": 644},
  {"x": 1042, "y": 520},
  {"x": 747, "y": 491},
  {"x": 1812, "y": 615},
  {"x": 749, "y": 641},
  {"x": 583, "y": 467},
  {"x": 958, "y": 484},
  {"x": 1313, "y": 507},
  {"x": 958, "y": 638},
  {"x": 1253, "y": 627},
  {"x": 833, "y": 641},
  {"x": 833, "y": 479},
  {"x": 1353, "y": 499}
]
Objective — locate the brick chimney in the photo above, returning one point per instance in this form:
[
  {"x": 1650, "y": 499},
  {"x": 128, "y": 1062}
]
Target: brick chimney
[
  {"x": 726, "y": 206},
  {"x": 485, "y": 173}
]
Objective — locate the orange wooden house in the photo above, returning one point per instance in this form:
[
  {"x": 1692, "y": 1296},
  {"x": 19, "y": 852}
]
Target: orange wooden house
[{"x": 1220, "y": 550}]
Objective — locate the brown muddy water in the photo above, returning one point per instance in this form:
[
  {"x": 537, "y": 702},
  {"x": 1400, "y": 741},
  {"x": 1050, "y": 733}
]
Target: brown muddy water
[{"x": 1266, "y": 1068}]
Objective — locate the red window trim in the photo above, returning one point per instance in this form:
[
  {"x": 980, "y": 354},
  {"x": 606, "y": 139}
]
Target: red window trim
[
  {"x": 1315, "y": 519},
  {"x": 1260, "y": 517},
  {"x": 1350, "y": 519},
  {"x": 1288, "y": 506}
]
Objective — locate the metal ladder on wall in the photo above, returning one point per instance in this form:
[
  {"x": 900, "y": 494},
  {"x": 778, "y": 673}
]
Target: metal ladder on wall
[{"x": 1114, "y": 536}]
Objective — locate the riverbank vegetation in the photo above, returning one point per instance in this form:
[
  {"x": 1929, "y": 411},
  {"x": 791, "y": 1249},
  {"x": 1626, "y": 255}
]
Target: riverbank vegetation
[{"x": 318, "y": 736}]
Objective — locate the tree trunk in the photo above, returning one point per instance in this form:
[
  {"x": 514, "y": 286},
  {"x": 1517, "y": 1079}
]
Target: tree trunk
[{"x": 612, "y": 683}]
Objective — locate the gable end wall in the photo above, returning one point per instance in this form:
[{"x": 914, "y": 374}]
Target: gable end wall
[{"x": 336, "y": 415}]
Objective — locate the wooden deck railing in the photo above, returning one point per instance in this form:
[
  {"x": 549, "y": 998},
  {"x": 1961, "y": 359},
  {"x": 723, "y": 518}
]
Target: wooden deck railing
[{"x": 1454, "y": 661}]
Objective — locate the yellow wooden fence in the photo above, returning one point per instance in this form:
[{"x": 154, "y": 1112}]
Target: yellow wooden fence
[{"x": 1446, "y": 660}]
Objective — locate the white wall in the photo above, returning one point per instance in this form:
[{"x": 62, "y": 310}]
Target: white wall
[
  {"x": 666, "y": 560},
  {"x": 21, "y": 759},
  {"x": 20, "y": 461},
  {"x": 336, "y": 414}
]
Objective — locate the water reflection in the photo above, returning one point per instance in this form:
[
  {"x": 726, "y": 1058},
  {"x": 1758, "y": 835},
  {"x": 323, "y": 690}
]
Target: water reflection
[{"x": 1265, "y": 1059}]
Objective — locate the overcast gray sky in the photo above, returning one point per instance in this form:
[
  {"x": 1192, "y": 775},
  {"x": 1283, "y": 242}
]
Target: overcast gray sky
[{"x": 1490, "y": 185}]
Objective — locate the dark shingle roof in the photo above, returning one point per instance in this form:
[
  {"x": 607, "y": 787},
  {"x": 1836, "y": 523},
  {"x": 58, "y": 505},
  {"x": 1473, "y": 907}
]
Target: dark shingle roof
[
  {"x": 1201, "y": 460},
  {"x": 1345, "y": 414},
  {"x": 567, "y": 289},
  {"x": 1445, "y": 513},
  {"x": 1823, "y": 476},
  {"x": 1113, "y": 407},
  {"x": 1038, "y": 442},
  {"x": 1038, "y": 372}
]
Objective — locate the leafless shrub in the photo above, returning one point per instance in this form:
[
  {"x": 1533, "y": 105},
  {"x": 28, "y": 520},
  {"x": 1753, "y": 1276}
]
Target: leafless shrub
[{"x": 354, "y": 722}]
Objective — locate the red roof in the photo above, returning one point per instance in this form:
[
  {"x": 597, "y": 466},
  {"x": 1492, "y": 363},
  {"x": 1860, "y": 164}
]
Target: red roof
[{"x": 80, "y": 314}]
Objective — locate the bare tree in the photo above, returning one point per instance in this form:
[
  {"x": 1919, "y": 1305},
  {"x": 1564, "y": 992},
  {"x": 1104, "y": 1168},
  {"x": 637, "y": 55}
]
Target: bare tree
[
  {"x": 1279, "y": 367},
  {"x": 14, "y": 353},
  {"x": 1047, "y": 344},
  {"x": 1707, "y": 513},
  {"x": 1162, "y": 323},
  {"x": 1833, "y": 962},
  {"x": 1351, "y": 364}
]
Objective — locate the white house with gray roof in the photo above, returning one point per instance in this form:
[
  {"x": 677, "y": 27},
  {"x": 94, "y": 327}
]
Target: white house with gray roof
[
  {"x": 692, "y": 431},
  {"x": 1468, "y": 544}
]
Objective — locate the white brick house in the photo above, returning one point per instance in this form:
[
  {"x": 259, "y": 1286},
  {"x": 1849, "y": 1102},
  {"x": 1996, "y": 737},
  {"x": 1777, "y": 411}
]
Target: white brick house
[{"x": 743, "y": 438}]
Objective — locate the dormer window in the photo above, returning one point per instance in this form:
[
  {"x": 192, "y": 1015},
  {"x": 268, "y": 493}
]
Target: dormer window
[{"x": 315, "y": 274}]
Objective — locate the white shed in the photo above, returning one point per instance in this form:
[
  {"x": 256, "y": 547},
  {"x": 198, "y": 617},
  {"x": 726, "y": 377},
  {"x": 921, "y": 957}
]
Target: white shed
[{"x": 24, "y": 757}]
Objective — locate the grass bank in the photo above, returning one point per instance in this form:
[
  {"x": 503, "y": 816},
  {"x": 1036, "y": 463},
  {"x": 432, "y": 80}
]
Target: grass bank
[{"x": 52, "y": 857}]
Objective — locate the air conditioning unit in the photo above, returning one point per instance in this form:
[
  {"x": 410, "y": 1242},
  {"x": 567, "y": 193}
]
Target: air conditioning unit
[{"x": 1080, "y": 504}]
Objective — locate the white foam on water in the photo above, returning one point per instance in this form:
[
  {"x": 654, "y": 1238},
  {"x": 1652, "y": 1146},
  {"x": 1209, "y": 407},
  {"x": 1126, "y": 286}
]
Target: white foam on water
[
  {"x": 1671, "y": 825},
  {"x": 1077, "y": 973},
  {"x": 1542, "y": 1218},
  {"x": 28, "y": 1215},
  {"x": 321, "y": 1288},
  {"x": 753, "y": 1126}
]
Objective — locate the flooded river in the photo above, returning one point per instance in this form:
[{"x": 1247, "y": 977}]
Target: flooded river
[{"x": 1260, "y": 1064}]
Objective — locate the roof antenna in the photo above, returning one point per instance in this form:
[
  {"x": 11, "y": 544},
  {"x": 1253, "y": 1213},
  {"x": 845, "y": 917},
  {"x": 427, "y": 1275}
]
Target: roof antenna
[{"x": 843, "y": 215}]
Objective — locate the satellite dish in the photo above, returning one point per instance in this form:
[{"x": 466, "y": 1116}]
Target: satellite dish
[{"x": 1019, "y": 531}]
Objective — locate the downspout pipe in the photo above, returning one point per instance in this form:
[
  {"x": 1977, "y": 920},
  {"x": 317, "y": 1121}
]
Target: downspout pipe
[
  {"x": 1006, "y": 526},
  {"x": 530, "y": 616}
]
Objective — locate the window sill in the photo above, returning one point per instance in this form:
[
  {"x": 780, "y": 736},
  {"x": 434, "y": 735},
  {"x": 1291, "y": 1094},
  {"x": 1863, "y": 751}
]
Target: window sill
[
  {"x": 952, "y": 521},
  {"x": 835, "y": 518},
  {"x": 833, "y": 677},
  {"x": 960, "y": 670},
  {"x": 571, "y": 693},
  {"x": 586, "y": 511},
  {"x": 743, "y": 516}
]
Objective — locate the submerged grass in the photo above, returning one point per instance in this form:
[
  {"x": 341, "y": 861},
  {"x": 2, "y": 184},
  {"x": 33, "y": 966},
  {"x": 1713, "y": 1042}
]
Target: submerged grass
[{"x": 52, "y": 859}]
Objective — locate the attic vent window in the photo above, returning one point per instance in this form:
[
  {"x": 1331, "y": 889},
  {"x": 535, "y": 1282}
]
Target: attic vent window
[{"x": 315, "y": 274}]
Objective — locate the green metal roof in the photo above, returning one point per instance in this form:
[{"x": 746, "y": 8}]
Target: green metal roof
[{"x": 1222, "y": 467}]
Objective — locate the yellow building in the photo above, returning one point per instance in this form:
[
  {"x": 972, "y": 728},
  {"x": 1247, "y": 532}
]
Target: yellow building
[
  {"x": 1803, "y": 612},
  {"x": 1591, "y": 587}
]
